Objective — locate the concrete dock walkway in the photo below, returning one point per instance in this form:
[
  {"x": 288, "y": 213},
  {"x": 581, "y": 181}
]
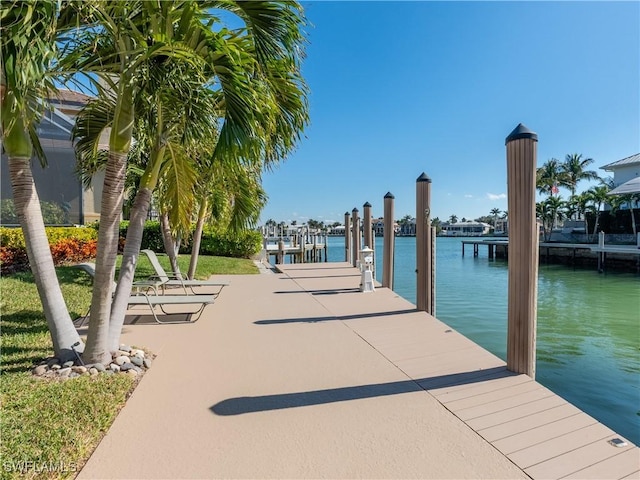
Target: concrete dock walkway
[{"x": 299, "y": 375}]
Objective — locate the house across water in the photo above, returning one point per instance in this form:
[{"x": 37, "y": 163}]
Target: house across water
[{"x": 465, "y": 229}]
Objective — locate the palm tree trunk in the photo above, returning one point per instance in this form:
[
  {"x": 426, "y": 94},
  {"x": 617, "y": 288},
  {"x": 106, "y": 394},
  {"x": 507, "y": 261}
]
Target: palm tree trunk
[
  {"x": 132, "y": 246},
  {"x": 97, "y": 350},
  {"x": 169, "y": 243},
  {"x": 128, "y": 267},
  {"x": 197, "y": 238},
  {"x": 64, "y": 336}
]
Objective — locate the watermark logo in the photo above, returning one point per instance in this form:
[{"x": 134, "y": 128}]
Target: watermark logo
[{"x": 31, "y": 466}]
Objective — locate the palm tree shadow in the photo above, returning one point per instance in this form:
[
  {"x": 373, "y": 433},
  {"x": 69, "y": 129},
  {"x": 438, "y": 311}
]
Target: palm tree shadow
[{"x": 263, "y": 403}]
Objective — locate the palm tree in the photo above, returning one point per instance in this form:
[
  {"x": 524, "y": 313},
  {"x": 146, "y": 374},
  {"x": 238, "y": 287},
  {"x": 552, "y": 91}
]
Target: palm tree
[
  {"x": 28, "y": 31},
  {"x": 597, "y": 196},
  {"x": 453, "y": 218},
  {"x": 243, "y": 64},
  {"x": 550, "y": 176},
  {"x": 574, "y": 170},
  {"x": 495, "y": 212}
]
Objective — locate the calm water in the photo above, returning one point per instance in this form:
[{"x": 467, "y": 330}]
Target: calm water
[{"x": 588, "y": 323}]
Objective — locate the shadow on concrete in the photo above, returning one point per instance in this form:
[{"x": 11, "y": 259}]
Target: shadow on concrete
[
  {"x": 357, "y": 275},
  {"x": 242, "y": 405},
  {"x": 334, "y": 291},
  {"x": 329, "y": 318}
]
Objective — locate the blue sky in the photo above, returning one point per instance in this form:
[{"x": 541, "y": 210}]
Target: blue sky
[{"x": 401, "y": 88}]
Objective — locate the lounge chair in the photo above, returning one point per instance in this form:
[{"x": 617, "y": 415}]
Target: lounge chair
[
  {"x": 145, "y": 293},
  {"x": 169, "y": 281}
]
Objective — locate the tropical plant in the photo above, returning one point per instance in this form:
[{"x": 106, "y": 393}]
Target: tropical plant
[
  {"x": 550, "y": 211},
  {"x": 597, "y": 197},
  {"x": 495, "y": 212},
  {"x": 550, "y": 177},
  {"x": 28, "y": 34},
  {"x": 574, "y": 170},
  {"x": 453, "y": 219},
  {"x": 253, "y": 73}
]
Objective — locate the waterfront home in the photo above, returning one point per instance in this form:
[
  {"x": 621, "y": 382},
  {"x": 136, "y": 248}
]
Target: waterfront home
[
  {"x": 465, "y": 229},
  {"x": 626, "y": 172},
  {"x": 64, "y": 200}
]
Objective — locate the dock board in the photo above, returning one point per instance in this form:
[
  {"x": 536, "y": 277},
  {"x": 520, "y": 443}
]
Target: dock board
[{"x": 536, "y": 429}]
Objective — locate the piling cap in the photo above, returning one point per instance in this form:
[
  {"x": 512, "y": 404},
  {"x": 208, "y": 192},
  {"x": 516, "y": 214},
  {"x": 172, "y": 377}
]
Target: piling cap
[
  {"x": 347, "y": 213},
  {"x": 389, "y": 195},
  {"x": 423, "y": 178},
  {"x": 355, "y": 210},
  {"x": 521, "y": 132},
  {"x": 367, "y": 205}
]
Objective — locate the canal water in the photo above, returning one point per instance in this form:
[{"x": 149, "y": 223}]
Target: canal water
[{"x": 588, "y": 339}]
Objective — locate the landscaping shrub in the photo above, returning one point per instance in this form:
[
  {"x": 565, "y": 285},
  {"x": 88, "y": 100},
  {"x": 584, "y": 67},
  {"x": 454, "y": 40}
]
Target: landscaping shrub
[
  {"x": 241, "y": 245},
  {"x": 68, "y": 244}
]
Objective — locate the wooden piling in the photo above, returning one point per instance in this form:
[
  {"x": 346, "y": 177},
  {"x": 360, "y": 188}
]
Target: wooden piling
[
  {"x": 355, "y": 237},
  {"x": 423, "y": 244},
  {"x": 347, "y": 237},
  {"x": 389, "y": 242},
  {"x": 366, "y": 226},
  {"x": 280, "y": 257},
  {"x": 521, "y": 147}
]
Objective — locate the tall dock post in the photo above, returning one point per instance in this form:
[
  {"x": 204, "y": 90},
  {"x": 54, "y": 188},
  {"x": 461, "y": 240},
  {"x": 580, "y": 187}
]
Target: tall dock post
[
  {"x": 523, "y": 245},
  {"x": 368, "y": 233},
  {"x": 347, "y": 237},
  {"x": 355, "y": 240},
  {"x": 389, "y": 242},
  {"x": 423, "y": 244},
  {"x": 366, "y": 225}
]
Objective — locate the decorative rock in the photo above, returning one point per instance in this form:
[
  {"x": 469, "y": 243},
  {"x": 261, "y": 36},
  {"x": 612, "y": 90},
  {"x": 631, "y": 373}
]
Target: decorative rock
[
  {"x": 137, "y": 361},
  {"x": 69, "y": 363},
  {"x": 40, "y": 370},
  {"x": 138, "y": 353},
  {"x": 79, "y": 369},
  {"x": 119, "y": 353},
  {"x": 52, "y": 361},
  {"x": 85, "y": 374},
  {"x": 55, "y": 366},
  {"x": 64, "y": 372},
  {"x": 74, "y": 375},
  {"x": 99, "y": 367},
  {"x": 93, "y": 371},
  {"x": 109, "y": 372},
  {"x": 132, "y": 372},
  {"x": 137, "y": 369},
  {"x": 114, "y": 368},
  {"x": 121, "y": 360},
  {"x": 125, "y": 348},
  {"x": 147, "y": 363},
  {"x": 126, "y": 366}
]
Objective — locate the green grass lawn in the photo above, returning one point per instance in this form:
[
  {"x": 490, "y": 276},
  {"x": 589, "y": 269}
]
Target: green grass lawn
[{"x": 57, "y": 424}]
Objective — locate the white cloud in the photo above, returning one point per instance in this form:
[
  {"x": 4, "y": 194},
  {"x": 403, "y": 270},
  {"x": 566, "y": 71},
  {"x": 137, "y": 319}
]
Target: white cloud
[
  {"x": 494, "y": 196},
  {"x": 468, "y": 196}
]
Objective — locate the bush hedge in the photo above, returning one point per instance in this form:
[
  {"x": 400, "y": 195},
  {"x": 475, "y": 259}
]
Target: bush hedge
[
  {"x": 67, "y": 244},
  {"x": 76, "y": 244}
]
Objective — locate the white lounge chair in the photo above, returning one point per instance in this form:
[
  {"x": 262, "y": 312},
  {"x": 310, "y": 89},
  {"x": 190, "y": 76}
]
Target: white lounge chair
[
  {"x": 168, "y": 281},
  {"x": 145, "y": 293}
]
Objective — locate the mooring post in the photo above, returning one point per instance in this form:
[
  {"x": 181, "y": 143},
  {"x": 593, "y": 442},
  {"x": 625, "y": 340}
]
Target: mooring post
[
  {"x": 367, "y": 233},
  {"x": 433, "y": 271},
  {"x": 523, "y": 245},
  {"x": 366, "y": 225},
  {"x": 347, "y": 237},
  {"x": 389, "y": 242},
  {"x": 423, "y": 244},
  {"x": 280, "y": 257},
  {"x": 355, "y": 237}
]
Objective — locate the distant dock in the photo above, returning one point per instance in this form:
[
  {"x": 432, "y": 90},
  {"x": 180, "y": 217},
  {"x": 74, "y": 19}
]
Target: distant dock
[
  {"x": 572, "y": 253},
  {"x": 298, "y": 248}
]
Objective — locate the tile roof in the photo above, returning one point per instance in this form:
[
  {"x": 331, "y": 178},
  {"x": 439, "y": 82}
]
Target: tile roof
[
  {"x": 631, "y": 160},
  {"x": 70, "y": 97}
]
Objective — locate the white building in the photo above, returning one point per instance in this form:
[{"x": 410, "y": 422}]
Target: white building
[
  {"x": 465, "y": 229},
  {"x": 625, "y": 170}
]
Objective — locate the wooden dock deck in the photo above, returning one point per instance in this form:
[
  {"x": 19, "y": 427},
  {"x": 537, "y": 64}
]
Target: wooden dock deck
[{"x": 540, "y": 432}]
